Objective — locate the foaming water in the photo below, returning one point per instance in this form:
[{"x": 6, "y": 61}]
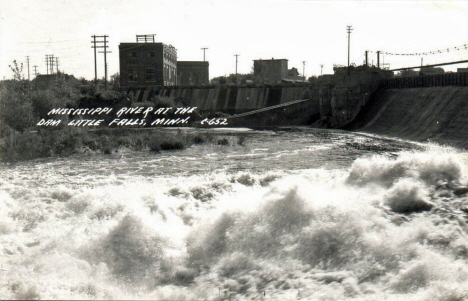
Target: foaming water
[{"x": 303, "y": 214}]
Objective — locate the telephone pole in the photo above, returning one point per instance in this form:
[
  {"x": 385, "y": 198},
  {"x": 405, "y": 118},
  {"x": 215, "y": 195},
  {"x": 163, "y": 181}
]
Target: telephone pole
[
  {"x": 321, "y": 69},
  {"x": 35, "y": 70},
  {"x": 349, "y": 29},
  {"x": 51, "y": 63},
  {"x": 236, "y": 55},
  {"x": 105, "y": 62},
  {"x": 104, "y": 41},
  {"x": 303, "y": 70},
  {"x": 27, "y": 58},
  {"x": 56, "y": 64},
  {"x": 105, "y": 70},
  {"x": 378, "y": 59},
  {"x": 47, "y": 62},
  {"x": 95, "y": 65},
  {"x": 204, "y": 48}
]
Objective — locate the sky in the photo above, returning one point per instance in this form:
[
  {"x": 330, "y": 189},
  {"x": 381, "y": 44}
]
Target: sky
[{"x": 310, "y": 31}]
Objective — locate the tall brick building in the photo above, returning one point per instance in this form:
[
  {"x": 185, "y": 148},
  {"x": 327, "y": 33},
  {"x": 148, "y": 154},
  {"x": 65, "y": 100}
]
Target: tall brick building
[
  {"x": 192, "y": 73},
  {"x": 270, "y": 71},
  {"x": 147, "y": 63}
]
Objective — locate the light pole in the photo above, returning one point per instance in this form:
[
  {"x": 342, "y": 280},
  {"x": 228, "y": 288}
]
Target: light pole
[
  {"x": 236, "y": 55},
  {"x": 321, "y": 69}
]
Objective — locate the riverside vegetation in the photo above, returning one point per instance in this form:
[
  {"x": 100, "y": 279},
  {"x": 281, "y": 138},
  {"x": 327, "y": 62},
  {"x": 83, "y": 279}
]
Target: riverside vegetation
[{"x": 22, "y": 105}]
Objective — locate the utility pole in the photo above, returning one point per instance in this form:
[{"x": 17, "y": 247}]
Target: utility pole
[
  {"x": 56, "y": 64},
  {"x": 349, "y": 29},
  {"x": 47, "y": 62},
  {"x": 204, "y": 48},
  {"x": 28, "y": 66},
  {"x": 104, "y": 41},
  {"x": 321, "y": 69},
  {"x": 378, "y": 59},
  {"x": 95, "y": 65},
  {"x": 366, "y": 58},
  {"x": 51, "y": 63},
  {"x": 421, "y": 61},
  {"x": 236, "y": 55},
  {"x": 106, "y": 66},
  {"x": 105, "y": 62},
  {"x": 303, "y": 70},
  {"x": 35, "y": 70}
]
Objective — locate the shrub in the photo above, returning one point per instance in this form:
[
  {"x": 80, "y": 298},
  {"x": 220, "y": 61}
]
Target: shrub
[
  {"x": 172, "y": 145},
  {"x": 241, "y": 140},
  {"x": 223, "y": 141},
  {"x": 125, "y": 141}
]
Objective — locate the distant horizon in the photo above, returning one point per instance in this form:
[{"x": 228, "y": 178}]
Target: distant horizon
[{"x": 311, "y": 31}]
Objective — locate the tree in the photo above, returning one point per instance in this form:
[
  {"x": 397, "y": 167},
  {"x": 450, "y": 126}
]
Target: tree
[
  {"x": 115, "y": 81},
  {"x": 17, "y": 71}
]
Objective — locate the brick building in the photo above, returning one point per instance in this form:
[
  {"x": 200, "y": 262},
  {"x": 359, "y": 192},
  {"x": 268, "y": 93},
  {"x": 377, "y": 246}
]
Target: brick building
[
  {"x": 192, "y": 73},
  {"x": 270, "y": 71},
  {"x": 147, "y": 63}
]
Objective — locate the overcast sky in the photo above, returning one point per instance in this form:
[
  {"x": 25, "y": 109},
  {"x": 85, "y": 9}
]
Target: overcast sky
[{"x": 311, "y": 31}]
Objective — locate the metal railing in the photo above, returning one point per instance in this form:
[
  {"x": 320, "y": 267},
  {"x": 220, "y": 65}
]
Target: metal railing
[{"x": 435, "y": 80}]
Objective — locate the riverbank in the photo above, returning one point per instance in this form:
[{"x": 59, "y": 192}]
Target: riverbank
[{"x": 68, "y": 141}]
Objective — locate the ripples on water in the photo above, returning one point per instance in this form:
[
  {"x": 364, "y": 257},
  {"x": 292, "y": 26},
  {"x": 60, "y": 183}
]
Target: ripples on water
[{"x": 292, "y": 214}]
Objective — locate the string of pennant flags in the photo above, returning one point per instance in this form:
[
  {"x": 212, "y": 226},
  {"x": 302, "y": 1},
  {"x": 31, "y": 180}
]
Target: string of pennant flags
[{"x": 425, "y": 53}]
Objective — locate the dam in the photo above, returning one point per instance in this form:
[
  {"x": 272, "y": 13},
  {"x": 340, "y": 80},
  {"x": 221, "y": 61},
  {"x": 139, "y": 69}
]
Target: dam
[{"x": 369, "y": 99}]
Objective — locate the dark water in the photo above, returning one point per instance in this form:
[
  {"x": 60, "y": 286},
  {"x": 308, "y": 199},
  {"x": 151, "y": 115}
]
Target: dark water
[{"x": 276, "y": 214}]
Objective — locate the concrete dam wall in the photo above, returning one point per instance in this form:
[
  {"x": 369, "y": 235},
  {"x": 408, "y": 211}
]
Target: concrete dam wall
[
  {"x": 438, "y": 114},
  {"x": 227, "y": 99}
]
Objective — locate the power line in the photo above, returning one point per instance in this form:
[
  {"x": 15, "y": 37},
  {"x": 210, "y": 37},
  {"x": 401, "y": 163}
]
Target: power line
[{"x": 457, "y": 48}]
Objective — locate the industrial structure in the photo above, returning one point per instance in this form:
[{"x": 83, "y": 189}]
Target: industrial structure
[
  {"x": 270, "y": 71},
  {"x": 146, "y": 63},
  {"x": 275, "y": 71},
  {"x": 193, "y": 73}
]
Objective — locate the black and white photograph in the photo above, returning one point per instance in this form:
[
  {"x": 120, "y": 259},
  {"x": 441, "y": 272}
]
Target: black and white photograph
[{"x": 234, "y": 150}]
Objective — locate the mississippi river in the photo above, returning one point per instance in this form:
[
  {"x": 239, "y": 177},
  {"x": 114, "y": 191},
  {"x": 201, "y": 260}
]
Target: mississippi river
[{"x": 284, "y": 214}]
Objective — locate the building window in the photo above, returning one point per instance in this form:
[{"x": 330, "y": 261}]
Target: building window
[
  {"x": 150, "y": 75},
  {"x": 131, "y": 54},
  {"x": 151, "y": 54},
  {"x": 132, "y": 75}
]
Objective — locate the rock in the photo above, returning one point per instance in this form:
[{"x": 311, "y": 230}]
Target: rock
[{"x": 460, "y": 190}]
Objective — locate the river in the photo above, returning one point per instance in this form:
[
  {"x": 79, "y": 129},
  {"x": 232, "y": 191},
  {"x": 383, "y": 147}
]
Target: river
[{"x": 279, "y": 214}]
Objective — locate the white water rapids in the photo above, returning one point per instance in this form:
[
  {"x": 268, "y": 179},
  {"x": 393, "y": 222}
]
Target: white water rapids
[{"x": 290, "y": 215}]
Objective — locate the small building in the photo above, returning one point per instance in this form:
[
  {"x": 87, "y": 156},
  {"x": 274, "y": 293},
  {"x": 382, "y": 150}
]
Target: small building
[
  {"x": 193, "y": 73},
  {"x": 293, "y": 75},
  {"x": 270, "y": 71},
  {"x": 146, "y": 63}
]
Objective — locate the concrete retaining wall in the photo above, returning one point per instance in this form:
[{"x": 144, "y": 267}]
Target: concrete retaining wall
[{"x": 437, "y": 114}]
